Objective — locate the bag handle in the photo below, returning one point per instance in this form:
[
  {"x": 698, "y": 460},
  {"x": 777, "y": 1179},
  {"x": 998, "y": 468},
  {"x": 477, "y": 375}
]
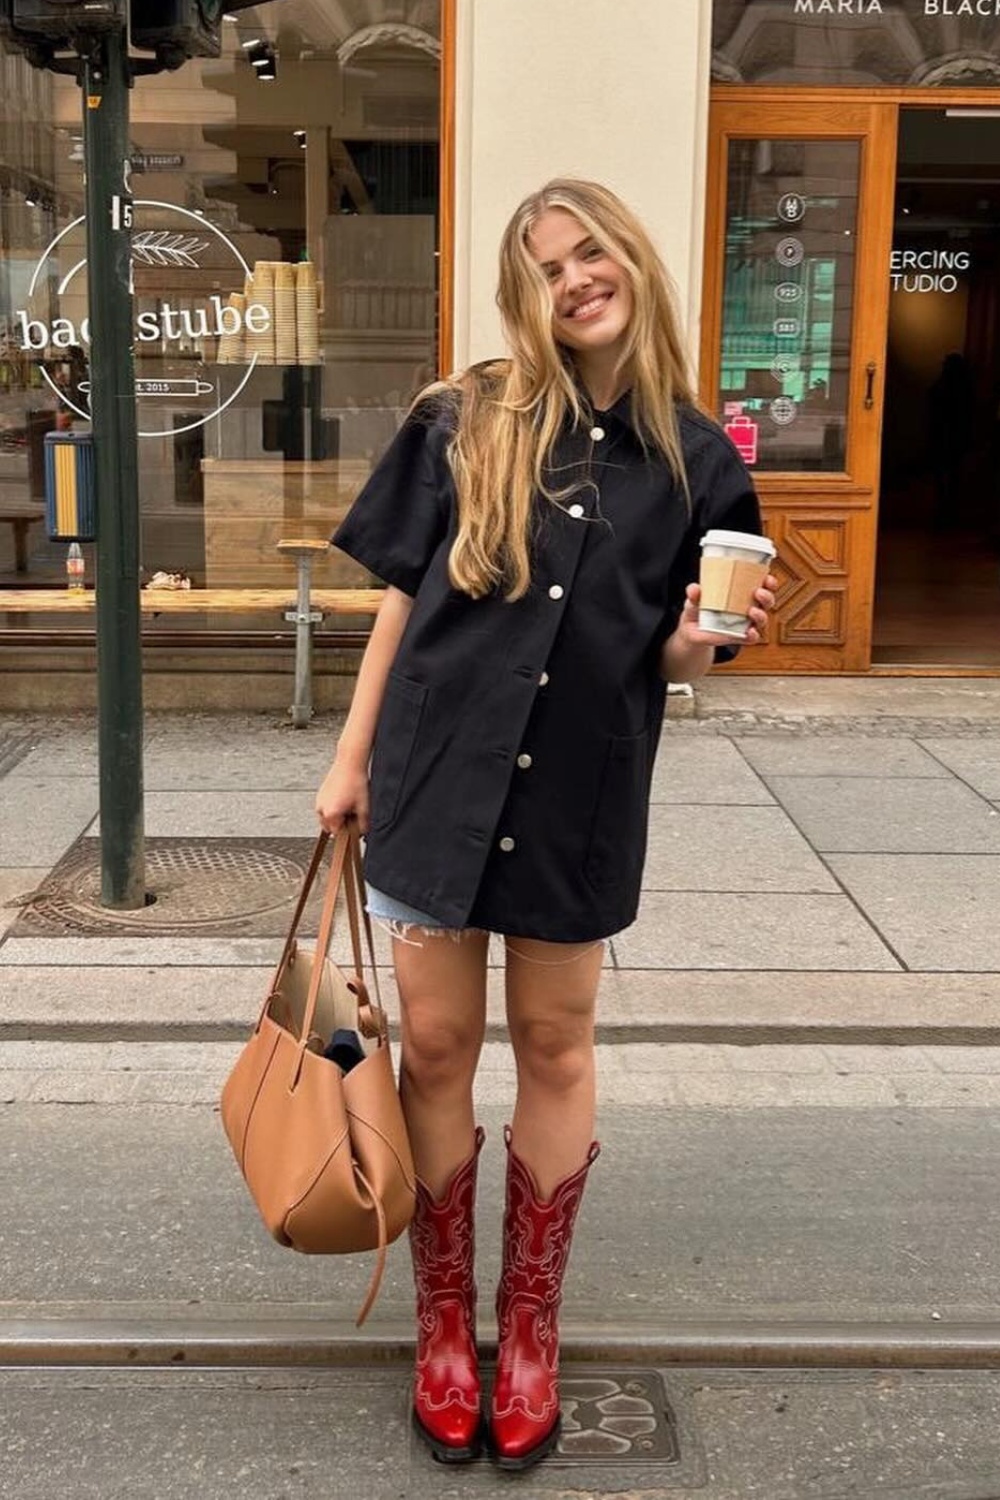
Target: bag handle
[
  {"x": 353, "y": 886},
  {"x": 300, "y": 906},
  {"x": 346, "y": 834}
]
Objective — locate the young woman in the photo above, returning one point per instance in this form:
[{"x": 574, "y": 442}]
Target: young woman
[{"x": 537, "y": 521}]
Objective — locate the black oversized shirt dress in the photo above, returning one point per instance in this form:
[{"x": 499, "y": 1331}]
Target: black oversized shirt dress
[{"x": 512, "y": 762}]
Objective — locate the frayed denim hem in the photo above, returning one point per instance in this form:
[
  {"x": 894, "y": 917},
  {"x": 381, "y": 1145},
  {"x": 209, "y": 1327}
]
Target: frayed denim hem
[{"x": 402, "y": 931}]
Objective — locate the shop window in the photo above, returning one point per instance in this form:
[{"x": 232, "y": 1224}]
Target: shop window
[{"x": 285, "y": 265}]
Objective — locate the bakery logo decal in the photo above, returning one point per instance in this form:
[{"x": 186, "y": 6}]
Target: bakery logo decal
[
  {"x": 986, "y": 8},
  {"x": 174, "y": 332}
]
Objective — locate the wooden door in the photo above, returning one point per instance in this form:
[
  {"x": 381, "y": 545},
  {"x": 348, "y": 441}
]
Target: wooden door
[{"x": 800, "y": 220}]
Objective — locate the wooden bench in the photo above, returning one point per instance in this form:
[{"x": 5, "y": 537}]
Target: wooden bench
[
  {"x": 321, "y": 602},
  {"x": 20, "y": 518}
]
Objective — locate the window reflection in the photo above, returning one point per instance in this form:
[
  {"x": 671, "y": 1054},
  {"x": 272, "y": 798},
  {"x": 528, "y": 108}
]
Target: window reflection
[
  {"x": 860, "y": 42},
  {"x": 788, "y": 300},
  {"x": 308, "y": 187}
]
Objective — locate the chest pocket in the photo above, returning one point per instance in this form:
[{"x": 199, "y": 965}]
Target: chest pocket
[
  {"x": 398, "y": 724},
  {"x": 617, "y": 845}
]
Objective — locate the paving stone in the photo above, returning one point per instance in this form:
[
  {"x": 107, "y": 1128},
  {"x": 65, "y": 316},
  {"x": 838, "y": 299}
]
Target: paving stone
[
  {"x": 13, "y": 884},
  {"x": 705, "y": 770},
  {"x": 852, "y": 697},
  {"x": 698, "y": 848},
  {"x": 343, "y": 1434},
  {"x": 938, "y": 911},
  {"x": 839, "y": 755},
  {"x": 231, "y": 814},
  {"x": 705, "y": 930},
  {"x": 40, "y": 818},
  {"x": 977, "y": 762},
  {"x": 882, "y": 815}
]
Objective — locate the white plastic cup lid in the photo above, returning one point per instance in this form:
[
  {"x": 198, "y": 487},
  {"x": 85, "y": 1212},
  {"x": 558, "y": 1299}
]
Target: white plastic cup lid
[{"x": 739, "y": 539}]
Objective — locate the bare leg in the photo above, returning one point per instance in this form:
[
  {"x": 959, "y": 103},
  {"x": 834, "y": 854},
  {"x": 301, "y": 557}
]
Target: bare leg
[
  {"x": 551, "y": 995},
  {"x": 442, "y": 991}
]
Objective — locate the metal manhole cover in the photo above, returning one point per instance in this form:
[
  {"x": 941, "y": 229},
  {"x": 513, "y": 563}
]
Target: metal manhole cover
[
  {"x": 236, "y": 887},
  {"x": 619, "y": 1415}
]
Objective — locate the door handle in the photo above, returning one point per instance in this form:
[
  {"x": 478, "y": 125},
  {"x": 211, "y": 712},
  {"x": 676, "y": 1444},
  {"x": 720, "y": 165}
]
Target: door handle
[{"x": 871, "y": 369}]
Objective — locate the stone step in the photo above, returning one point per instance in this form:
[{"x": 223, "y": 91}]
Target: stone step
[{"x": 209, "y": 1002}]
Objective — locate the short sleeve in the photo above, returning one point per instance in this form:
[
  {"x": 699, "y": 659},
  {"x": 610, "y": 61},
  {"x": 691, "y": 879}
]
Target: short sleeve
[
  {"x": 401, "y": 517},
  {"x": 722, "y": 497}
]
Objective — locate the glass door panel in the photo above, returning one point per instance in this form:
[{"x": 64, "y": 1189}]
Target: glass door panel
[{"x": 788, "y": 298}]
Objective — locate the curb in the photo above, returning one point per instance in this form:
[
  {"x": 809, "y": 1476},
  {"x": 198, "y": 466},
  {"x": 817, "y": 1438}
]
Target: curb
[
  {"x": 699, "y": 1033},
  {"x": 255, "y": 1344}
]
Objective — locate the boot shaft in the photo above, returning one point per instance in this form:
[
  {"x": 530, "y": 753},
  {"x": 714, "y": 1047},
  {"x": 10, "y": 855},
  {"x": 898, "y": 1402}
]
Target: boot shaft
[
  {"x": 538, "y": 1233},
  {"x": 442, "y": 1237}
]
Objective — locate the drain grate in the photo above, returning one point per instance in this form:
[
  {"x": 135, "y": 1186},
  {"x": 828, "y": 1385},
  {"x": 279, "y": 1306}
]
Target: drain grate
[{"x": 224, "y": 887}]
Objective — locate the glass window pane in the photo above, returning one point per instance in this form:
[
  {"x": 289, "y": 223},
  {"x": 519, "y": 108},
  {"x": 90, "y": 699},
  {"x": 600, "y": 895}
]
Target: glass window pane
[
  {"x": 917, "y": 43},
  {"x": 291, "y": 183},
  {"x": 788, "y": 301}
]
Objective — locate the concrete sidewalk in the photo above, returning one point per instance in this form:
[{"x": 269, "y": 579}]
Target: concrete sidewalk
[
  {"x": 824, "y": 864},
  {"x": 799, "y": 1070}
]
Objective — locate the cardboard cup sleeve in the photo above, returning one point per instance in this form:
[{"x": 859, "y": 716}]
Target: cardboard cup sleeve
[{"x": 728, "y": 584}]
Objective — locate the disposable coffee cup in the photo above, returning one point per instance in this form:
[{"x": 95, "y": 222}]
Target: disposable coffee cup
[{"x": 734, "y": 565}]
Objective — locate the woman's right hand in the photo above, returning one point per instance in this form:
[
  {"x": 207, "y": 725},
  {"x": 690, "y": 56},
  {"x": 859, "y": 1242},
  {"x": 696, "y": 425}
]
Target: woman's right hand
[{"x": 343, "y": 794}]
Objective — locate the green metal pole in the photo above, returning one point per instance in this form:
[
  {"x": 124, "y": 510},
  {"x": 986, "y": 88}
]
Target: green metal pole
[{"x": 112, "y": 398}]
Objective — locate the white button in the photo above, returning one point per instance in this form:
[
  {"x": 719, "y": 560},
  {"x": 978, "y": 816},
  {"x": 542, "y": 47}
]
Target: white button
[
  {"x": 507, "y": 845},
  {"x": 524, "y": 761},
  {"x": 596, "y": 434},
  {"x": 543, "y": 679},
  {"x": 556, "y": 591},
  {"x": 576, "y": 511}
]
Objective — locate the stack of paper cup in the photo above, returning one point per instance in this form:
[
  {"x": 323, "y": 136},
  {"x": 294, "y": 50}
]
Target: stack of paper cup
[
  {"x": 734, "y": 565},
  {"x": 307, "y": 313},
  {"x": 231, "y": 350},
  {"x": 260, "y": 314},
  {"x": 285, "y": 342}
]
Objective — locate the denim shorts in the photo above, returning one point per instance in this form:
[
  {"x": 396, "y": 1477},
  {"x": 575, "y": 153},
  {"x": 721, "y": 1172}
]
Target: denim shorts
[{"x": 383, "y": 908}]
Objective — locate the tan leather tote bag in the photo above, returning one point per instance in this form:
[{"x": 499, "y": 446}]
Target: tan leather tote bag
[{"x": 325, "y": 1154}]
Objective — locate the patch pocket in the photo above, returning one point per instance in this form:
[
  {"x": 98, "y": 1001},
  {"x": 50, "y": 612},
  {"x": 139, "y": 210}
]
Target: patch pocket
[
  {"x": 617, "y": 845},
  {"x": 398, "y": 723}
]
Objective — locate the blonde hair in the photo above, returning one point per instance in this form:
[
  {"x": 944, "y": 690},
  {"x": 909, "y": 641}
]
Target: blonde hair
[{"x": 510, "y": 412}]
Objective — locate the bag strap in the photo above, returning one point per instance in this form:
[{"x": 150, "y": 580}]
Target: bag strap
[
  {"x": 341, "y": 849},
  {"x": 300, "y": 906},
  {"x": 383, "y": 1240},
  {"x": 353, "y": 887}
]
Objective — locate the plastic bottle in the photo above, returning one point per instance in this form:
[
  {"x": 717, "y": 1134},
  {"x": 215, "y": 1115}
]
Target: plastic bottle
[{"x": 75, "y": 569}]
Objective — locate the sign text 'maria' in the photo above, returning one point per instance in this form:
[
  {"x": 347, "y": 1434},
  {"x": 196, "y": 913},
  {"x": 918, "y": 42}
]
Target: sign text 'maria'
[{"x": 987, "y": 8}]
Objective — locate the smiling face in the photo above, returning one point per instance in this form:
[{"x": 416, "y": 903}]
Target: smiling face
[{"x": 591, "y": 295}]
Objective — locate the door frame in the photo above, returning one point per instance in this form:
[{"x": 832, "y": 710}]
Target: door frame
[{"x": 873, "y": 116}]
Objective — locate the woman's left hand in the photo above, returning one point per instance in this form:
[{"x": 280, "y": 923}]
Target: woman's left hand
[{"x": 688, "y": 626}]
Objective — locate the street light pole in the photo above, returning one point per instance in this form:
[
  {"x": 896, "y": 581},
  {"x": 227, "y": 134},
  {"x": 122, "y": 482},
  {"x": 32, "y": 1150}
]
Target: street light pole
[{"x": 112, "y": 398}]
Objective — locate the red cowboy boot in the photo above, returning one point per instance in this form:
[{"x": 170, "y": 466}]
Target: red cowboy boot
[
  {"x": 536, "y": 1243},
  {"x": 446, "y": 1394}
]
